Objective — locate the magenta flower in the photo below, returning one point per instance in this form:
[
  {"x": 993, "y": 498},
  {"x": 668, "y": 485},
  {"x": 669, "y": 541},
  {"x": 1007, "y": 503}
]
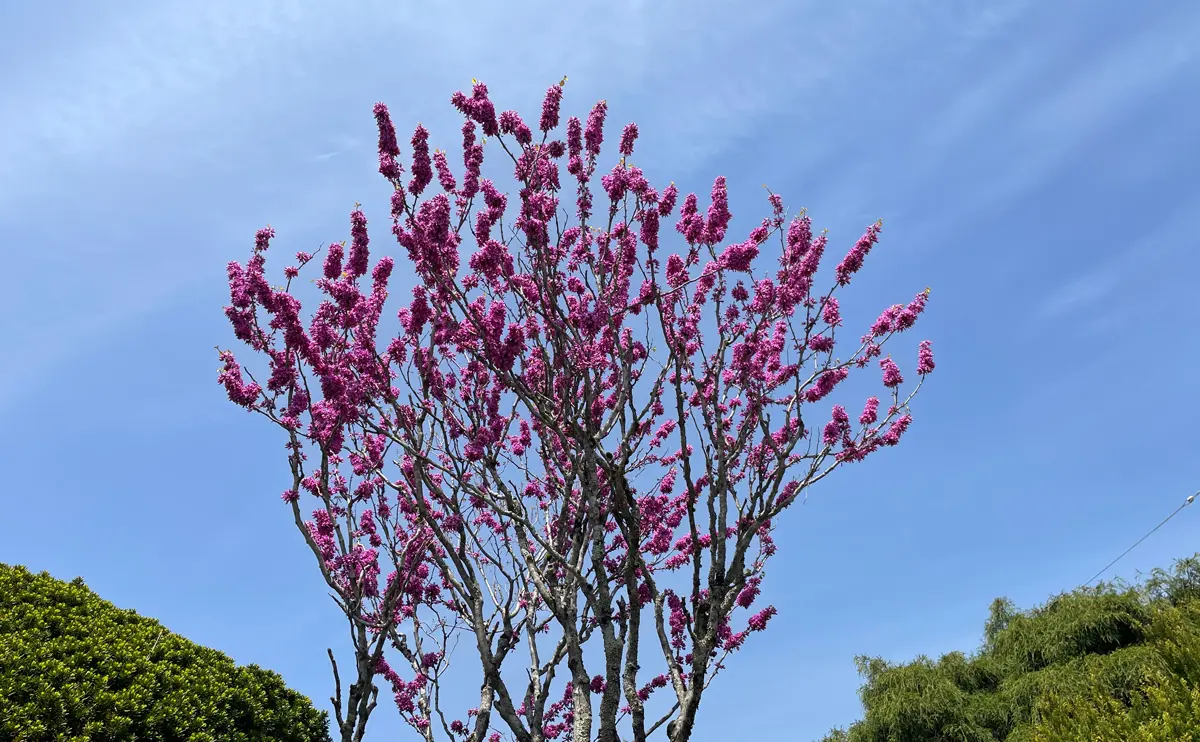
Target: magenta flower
[
  {"x": 831, "y": 313},
  {"x": 925, "y": 363},
  {"x": 357, "y": 265},
  {"x": 445, "y": 177},
  {"x": 739, "y": 257},
  {"x": 387, "y": 132},
  {"x": 821, "y": 344},
  {"x": 628, "y": 137},
  {"x": 422, "y": 172},
  {"x": 593, "y": 134},
  {"x": 891, "y": 373},
  {"x": 718, "y": 213},
  {"x": 853, "y": 262},
  {"x": 870, "y": 411},
  {"x": 550, "y": 107},
  {"x": 895, "y": 430},
  {"x": 240, "y": 393},
  {"x": 389, "y": 150},
  {"x": 837, "y": 427}
]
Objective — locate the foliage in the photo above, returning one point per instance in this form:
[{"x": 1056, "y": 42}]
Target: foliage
[
  {"x": 575, "y": 445},
  {"x": 75, "y": 667},
  {"x": 1104, "y": 664}
]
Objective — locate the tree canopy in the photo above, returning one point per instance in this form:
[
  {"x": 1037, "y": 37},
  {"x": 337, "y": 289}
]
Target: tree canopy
[
  {"x": 76, "y": 667},
  {"x": 573, "y": 447},
  {"x": 1112, "y": 662}
]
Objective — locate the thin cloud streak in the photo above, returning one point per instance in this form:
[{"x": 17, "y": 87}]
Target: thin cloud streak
[
  {"x": 1032, "y": 136},
  {"x": 112, "y": 104},
  {"x": 1114, "y": 282}
]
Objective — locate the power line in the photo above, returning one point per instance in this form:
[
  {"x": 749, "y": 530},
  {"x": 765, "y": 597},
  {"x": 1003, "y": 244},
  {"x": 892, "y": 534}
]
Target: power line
[{"x": 1188, "y": 501}]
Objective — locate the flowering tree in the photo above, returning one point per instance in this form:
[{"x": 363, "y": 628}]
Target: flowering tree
[{"x": 572, "y": 453}]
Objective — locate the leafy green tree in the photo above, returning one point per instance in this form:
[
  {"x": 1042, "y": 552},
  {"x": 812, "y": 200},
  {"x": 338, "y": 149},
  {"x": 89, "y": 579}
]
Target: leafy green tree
[
  {"x": 75, "y": 667},
  {"x": 1165, "y": 709},
  {"x": 1104, "y": 664}
]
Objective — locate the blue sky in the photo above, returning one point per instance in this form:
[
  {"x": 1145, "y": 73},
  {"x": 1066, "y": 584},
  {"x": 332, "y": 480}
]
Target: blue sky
[{"x": 1034, "y": 163}]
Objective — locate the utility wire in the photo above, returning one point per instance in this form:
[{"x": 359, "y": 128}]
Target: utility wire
[{"x": 1188, "y": 501}]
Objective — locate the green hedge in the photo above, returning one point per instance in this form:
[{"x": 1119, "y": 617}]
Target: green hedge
[
  {"x": 75, "y": 667},
  {"x": 1114, "y": 663}
]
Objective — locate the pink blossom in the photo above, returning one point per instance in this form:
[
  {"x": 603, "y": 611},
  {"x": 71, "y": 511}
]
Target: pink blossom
[
  {"x": 925, "y": 364},
  {"x": 891, "y": 373},
  {"x": 853, "y": 262}
]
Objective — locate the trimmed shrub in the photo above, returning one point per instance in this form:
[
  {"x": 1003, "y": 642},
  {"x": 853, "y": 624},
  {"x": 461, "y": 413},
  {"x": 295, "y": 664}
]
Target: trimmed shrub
[{"x": 76, "y": 667}]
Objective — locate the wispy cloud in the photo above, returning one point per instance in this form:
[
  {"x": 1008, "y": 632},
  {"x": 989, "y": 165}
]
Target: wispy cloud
[
  {"x": 1109, "y": 289},
  {"x": 712, "y": 68},
  {"x": 343, "y": 145},
  {"x": 86, "y": 100},
  {"x": 708, "y": 74},
  {"x": 1012, "y": 130},
  {"x": 153, "y": 98}
]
